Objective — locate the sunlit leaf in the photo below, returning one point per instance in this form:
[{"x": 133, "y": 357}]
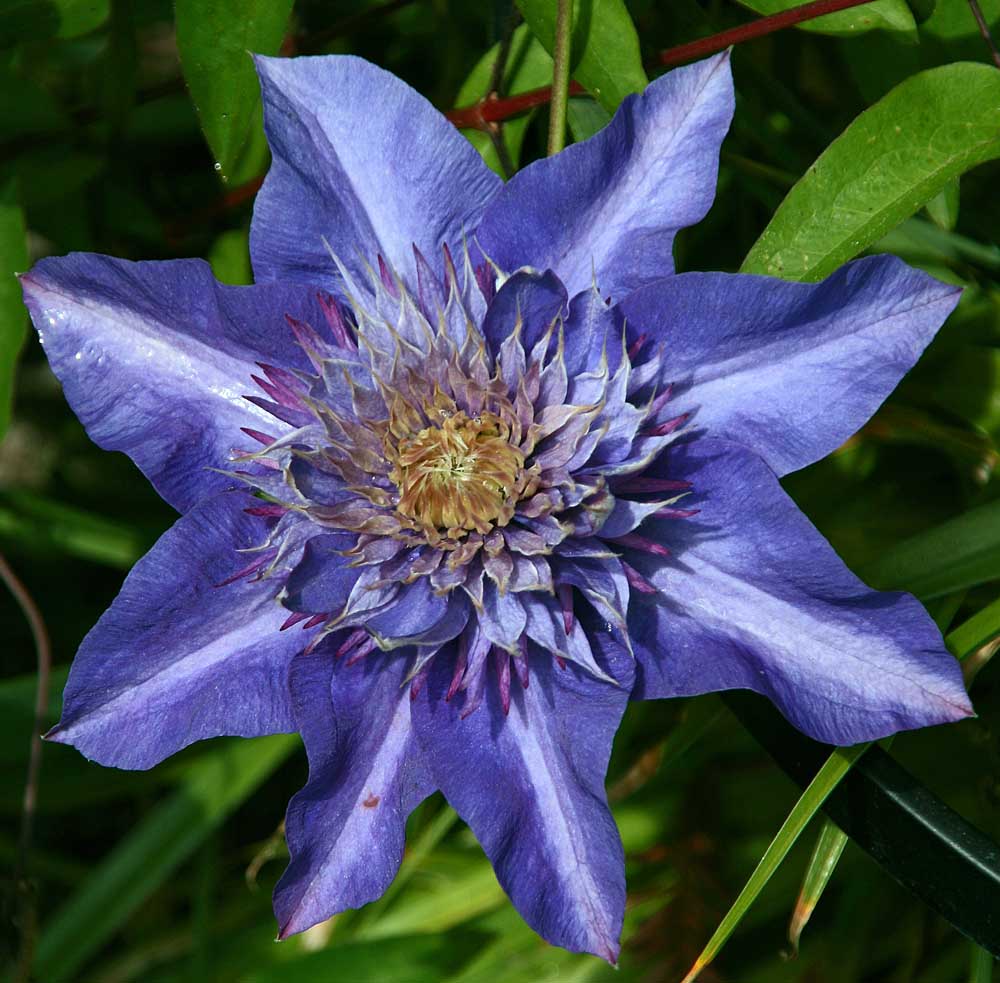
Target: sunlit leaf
[{"x": 888, "y": 163}]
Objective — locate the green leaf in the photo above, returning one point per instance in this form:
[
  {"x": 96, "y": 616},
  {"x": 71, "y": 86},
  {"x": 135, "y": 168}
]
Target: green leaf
[
  {"x": 215, "y": 38},
  {"x": 970, "y": 636},
  {"x": 40, "y": 525},
  {"x": 981, "y": 964},
  {"x": 943, "y": 207},
  {"x": 962, "y": 552},
  {"x": 528, "y": 67},
  {"x": 33, "y": 20},
  {"x": 888, "y": 163},
  {"x": 459, "y": 886},
  {"x": 27, "y": 109},
  {"x": 230, "y": 258},
  {"x": 408, "y": 959},
  {"x": 889, "y": 15},
  {"x": 605, "y": 57},
  {"x": 213, "y": 787},
  {"x": 827, "y": 778},
  {"x": 826, "y": 854},
  {"x": 585, "y": 117},
  {"x": 13, "y": 317}
]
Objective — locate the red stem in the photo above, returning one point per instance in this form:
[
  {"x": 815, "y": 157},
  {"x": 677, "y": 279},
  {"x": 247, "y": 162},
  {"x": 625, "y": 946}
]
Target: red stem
[{"x": 482, "y": 114}]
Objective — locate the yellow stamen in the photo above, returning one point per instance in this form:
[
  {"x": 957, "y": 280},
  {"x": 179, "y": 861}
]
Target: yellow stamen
[{"x": 458, "y": 476}]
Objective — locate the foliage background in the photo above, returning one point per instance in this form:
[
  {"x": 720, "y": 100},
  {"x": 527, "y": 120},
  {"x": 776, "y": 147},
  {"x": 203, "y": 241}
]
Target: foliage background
[{"x": 111, "y": 140}]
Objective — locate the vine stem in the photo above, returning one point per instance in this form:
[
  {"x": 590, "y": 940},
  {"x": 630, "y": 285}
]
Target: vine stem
[
  {"x": 984, "y": 29},
  {"x": 560, "y": 77},
  {"x": 43, "y": 652},
  {"x": 482, "y": 114}
]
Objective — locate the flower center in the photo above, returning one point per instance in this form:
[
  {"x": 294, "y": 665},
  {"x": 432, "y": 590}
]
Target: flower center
[{"x": 459, "y": 475}]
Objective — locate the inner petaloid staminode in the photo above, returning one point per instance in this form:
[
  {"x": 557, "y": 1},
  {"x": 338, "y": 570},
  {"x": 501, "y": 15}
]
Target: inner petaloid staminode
[{"x": 464, "y": 461}]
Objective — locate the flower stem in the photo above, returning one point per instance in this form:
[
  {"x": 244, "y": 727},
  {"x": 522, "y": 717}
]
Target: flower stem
[{"x": 560, "y": 77}]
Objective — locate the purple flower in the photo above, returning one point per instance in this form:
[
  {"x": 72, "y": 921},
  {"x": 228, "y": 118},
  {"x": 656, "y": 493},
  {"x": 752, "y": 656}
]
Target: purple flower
[{"x": 499, "y": 470}]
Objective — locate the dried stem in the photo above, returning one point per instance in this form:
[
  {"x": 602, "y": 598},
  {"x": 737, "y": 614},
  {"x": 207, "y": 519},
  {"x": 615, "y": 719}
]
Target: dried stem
[
  {"x": 43, "y": 653},
  {"x": 560, "y": 77}
]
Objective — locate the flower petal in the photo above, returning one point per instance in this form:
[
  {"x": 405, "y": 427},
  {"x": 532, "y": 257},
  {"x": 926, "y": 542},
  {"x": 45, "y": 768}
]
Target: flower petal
[
  {"x": 610, "y": 206},
  {"x": 755, "y": 598},
  {"x": 529, "y": 301},
  {"x": 531, "y": 787},
  {"x": 364, "y": 161},
  {"x": 155, "y": 358},
  {"x": 323, "y": 578},
  {"x": 176, "y": 659},
  {"x": 790, "y": 370},
  {"x": 346, "y": 827}
]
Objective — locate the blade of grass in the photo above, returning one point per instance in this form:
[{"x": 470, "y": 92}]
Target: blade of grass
[
  {"x": 827, "y": 778},
  {"x": 826, "y": 855}
]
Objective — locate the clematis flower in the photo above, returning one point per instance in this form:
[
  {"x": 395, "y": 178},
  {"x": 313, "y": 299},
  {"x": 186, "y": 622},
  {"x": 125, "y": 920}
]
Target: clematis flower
[{"x": 467, "y": 469}]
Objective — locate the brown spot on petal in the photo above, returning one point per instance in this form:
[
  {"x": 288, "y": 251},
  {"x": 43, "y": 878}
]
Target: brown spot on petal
[{"x": 372, "y": 801}]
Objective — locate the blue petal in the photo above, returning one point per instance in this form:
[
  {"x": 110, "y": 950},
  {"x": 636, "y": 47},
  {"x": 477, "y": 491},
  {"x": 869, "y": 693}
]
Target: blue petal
[
  {"x": 755, "y": 598},
  {"x": 611, "y": 206},
  {"x": 323, "y": 578},
  {"x": 177, "y": 659},
  {"x": 419, "y": 616},
  {"x": 531, "y": 787},
  {"x": 364, "y": 161},
  {"x": 346, "y": 827},
  {"x": 790, "y": 370},
  {"x": 155, "y": 358},
  {"x": 532, "y": 301}
]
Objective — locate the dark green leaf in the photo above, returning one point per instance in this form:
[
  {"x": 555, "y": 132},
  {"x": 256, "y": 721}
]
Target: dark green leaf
[
  {"x": 827, "y": 779},
  {"x": 962, "y": 552},
  {"x": 13, "y": 318},
  {"x": 215, "y": 39},
  {"x": 32, "y": 20},
  {"x": 605, "y": 56},
  {"x": 888, "y": 163},
  {"x": 407, "y": 959},
  {"x": 212, "y": 788},
  {"x": 943, "y": 207}
]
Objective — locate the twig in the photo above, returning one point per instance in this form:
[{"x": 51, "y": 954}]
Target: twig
[
  {"x": 43, "y": 653},
  {"x": 984, "y": 29},
  {"x": 496, "y": 90}
]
